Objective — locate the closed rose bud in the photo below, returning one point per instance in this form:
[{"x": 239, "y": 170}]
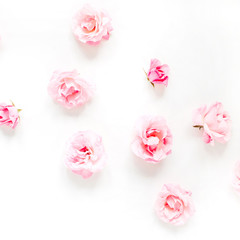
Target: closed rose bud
[
  {"x": 158, "y": 73},
  {"x": 214, "y": 121},
  {"x": 9, "y": 115}
]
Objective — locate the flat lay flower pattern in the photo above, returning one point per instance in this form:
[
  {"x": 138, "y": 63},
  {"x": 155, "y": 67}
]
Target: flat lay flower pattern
[{"x": 153, "y": 141}]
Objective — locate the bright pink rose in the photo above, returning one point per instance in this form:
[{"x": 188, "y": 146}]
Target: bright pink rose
[
  {"x": 174, "y": 204},
  {"x": 69, "y": 89},
  {"x": 236, "y": 180},
  {"x": 85, "y": 153},
  {"x": 91, "y": 25},
  {"x": 158, "y": 74},
  {"x": 214, "y": 121},
  {"x": 9, "y": 115},
  {"x": 153, "y": 141}
]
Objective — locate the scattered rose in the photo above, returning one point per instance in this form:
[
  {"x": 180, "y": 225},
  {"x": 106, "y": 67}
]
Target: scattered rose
[
  {"x": 174, "y": 204},
  {"x": 153, "y": 141},
  {"x": 9, "y": 115},
  {"x": 91, "y": 25},
  {"x": 158, "y": 73},
  {"x": 69, "y": 89},
  {"x": 236, "y": 180},
  {"x": 85, "y": 153},
  {"x": 214, "y": 121}
]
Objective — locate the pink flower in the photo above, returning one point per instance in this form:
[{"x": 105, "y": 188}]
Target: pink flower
[
  {"x": 153, "y": 141},
  {"x": 236, "y": 180},
  {"x": 9, "y": 115},
  {"x": 91, "y": 25},
  {"x": 158, "y": 74},
  {"x": 69, "y": 89},
  {"x": 214, "y": 121},
  {"x": 174, "y": 204},
  {"x": 85, "y": 153}
]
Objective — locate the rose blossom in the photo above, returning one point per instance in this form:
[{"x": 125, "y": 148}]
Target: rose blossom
[
  {"x": 9, "y": 115},
  {"x": 158, "y": 73},
  {"x": 91, "y": 25},
  {"x": 236, "y": 180},
  {"x": 85, "y": 153},
  {"x": 174, "y": 204},
  {"x": 69, "y": 89},
  {"x": 153, "y": 141},
  {"x": 214, "y": 121}
]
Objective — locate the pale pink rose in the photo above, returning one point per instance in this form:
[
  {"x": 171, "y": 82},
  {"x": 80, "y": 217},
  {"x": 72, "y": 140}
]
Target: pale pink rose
[
  {"x": 153, "y": 141},
  {"x": 214, "y": 121},
  {"x": 85, "y": 153},
  {"x": 158, "y": 73},
  {"x": 69, "y": 89},
  {"x": 91, "y": 25},
  {"x": 174, "y": 204},
  {"x": 236, "y": 180},
  {"x": 9, "y": 115}
]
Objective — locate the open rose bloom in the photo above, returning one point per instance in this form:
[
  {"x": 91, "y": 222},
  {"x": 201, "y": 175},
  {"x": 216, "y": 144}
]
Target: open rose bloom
[
  {"x": 214, "y": 121},
  {"x": 153, "y": 141},
  {"x": 158, "y": 73},
  {"x": 85, "y": 153},
  {"x": 174, "y": 204},
  {"x": 69, "y": 89},
  {"x": 236, "y": 180},
  {"x": 91, "y": 25},
  {"x": 9, "y": 115}
]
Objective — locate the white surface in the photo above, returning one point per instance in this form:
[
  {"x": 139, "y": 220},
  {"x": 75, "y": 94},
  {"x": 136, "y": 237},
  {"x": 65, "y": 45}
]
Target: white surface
[{"x": 40, "y": 198}]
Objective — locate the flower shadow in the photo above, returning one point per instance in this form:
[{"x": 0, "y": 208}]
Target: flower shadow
[
  {"x": 83, "y": 183},
  {"x": 73, "y": 111},
  {"x": 68, "y": 112},
  {"x": 90, "y": 51},
  {"x": 159, "y": 89},
  {"x": 148, "y": 169},
  {"x": 7, "y": 131},
  {"x": 174, "y": 229},
  {"x": 218, "y": 148}
]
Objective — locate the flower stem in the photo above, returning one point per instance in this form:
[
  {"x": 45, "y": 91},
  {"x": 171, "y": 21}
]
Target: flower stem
[
  {"x": 198, "y": 126},
  {"x": 148, "y": 78}
]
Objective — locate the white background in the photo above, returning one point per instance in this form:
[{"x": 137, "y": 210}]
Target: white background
[{"x": 40, "y": 198}]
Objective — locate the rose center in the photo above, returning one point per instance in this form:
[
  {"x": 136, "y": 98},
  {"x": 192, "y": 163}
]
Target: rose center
[
  {"x": 84, "y": 155},
  {"x": 154, "y": 139},
  {"x": 173, "y": 203},
  {"x": 89, "y": 25},
  {"x": 69, "y": 91}
]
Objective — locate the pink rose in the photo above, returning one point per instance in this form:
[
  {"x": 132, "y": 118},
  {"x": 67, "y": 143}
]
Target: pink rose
[
  {"x": 214, "y": 121},
  {"x": 91, "y": 25},
  {"x": 85, "y": 153},
  {"x": 9, "y": 115},
  {"x": 174, "y": 204},
  {"x": 69, "y": 89},
  {"x": 153, "y": 141},
  {"x": 236, "y": 180},
  {"x": 158, "y": 74}
]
